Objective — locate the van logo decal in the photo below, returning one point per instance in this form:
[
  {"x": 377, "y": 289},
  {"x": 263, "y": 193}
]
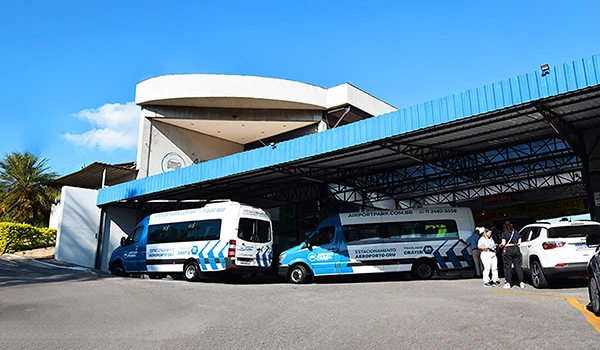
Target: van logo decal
[
  {"x": 320, "y": 257},
  {"x": 428, "y": 249},
  {"x": 194, "y": 250}
]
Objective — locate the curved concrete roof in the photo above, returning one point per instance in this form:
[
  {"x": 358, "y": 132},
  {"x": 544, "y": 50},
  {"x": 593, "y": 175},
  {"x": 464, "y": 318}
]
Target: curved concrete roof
[
  {"x": 229, "y": 91},
  {"x": 242, "y": 91}
]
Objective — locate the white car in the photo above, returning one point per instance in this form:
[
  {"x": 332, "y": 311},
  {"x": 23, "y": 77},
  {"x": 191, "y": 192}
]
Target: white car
[{"x": 556, "y": 250}]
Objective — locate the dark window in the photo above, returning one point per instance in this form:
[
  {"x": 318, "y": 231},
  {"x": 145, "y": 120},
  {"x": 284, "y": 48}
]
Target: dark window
[
  {"x": 572, "y": 231},
  {"x": 362, "y": 234},
  {"x": 411, "y": 231},
  {"x": 252, "y": 230},
  {"x": 158, "y": 233},
  {"x": 325, "y": 235},
  {"x": 135, "y": 236},
  {"x": 525, "y": 233},
  {"x": 535, "y": 233},
  {"x": 209, "y": 230},
  {"x": 203, "y": 230}
]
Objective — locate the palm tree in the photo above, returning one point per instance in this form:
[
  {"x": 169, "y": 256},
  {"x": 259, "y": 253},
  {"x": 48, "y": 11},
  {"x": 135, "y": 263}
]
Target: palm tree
[{"x": 24, "y": 192}]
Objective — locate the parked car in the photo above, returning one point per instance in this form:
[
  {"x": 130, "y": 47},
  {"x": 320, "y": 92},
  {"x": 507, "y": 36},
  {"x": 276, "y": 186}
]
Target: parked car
[
  {"x": 593, "y": 269},
  {"x": 556, "y": 250}
]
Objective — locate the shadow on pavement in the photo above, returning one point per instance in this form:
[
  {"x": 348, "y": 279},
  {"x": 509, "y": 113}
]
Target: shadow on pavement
[{"x": 15, "y": 272}]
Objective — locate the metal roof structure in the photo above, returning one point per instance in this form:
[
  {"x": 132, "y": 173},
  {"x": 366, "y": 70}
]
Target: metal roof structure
[
  {"x": 93, "y": 175},
  {"x": 516, "y": 135}
]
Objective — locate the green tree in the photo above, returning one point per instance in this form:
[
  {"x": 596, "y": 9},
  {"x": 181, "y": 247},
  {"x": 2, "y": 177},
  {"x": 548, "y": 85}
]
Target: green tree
[{"x": 25, "y": 196}]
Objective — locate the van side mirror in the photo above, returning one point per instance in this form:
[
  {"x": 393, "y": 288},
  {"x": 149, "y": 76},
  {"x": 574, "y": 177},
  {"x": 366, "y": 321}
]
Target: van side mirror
[
  {"x": 123, "y": 241},
  {"x": 306, "y": 244},
  {"x": 593, "y": 239}
]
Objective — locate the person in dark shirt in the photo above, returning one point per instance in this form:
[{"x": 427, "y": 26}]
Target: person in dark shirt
[
  {"x": 475, "y": 252},
  {"x": 512, "y": 255},
  {"x": 497, "y": 237}
]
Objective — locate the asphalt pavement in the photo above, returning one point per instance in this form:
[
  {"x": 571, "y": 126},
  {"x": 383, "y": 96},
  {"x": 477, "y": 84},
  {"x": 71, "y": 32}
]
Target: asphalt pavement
[{"x": 43, "y": 307}]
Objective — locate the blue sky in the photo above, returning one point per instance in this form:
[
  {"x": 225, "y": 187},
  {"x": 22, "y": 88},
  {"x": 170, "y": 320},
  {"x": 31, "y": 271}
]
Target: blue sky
[{"x": 68, "y": 69}]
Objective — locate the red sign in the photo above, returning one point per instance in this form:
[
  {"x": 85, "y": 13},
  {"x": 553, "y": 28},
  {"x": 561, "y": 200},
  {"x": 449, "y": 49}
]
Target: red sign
[{"x": 494, "y": 199}]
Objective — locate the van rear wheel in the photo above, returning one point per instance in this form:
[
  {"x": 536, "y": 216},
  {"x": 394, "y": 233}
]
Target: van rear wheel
[
  {"x": 191, "y": 271},
  {"x": 298, "y": 274},
  {"x": 422, "y": 270}
]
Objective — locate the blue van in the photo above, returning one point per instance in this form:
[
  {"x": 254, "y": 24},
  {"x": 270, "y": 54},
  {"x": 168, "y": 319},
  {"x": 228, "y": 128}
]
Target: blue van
[{"x": 420, "y": 241}]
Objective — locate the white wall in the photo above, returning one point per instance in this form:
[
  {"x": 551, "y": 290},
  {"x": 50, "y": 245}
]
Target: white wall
[
  {"x": 77, "y": 228},
  {"x": 119, "y": 223},
  {"x": 160, "y": 141}
]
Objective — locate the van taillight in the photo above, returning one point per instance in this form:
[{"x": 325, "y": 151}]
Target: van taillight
[
  {"x": 552, "y": 245},
  {"x": 231, "y": 249}
]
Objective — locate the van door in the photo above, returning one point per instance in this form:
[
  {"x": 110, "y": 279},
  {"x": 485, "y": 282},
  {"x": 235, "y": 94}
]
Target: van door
[
  {"x": 134, "y": 251},
  {"x": 324, "y": 255},
  {"x": 254, "y": 246}
]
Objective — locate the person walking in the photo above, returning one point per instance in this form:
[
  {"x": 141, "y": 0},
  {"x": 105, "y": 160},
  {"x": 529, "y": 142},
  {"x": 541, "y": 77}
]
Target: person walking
[
  {"x": 487, "y": 247},
  {"x": 472, "y": 242},
  {"x": 512, "y": 255}
]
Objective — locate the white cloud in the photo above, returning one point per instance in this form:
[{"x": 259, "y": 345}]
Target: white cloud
[{"x": 115, "y": 126}]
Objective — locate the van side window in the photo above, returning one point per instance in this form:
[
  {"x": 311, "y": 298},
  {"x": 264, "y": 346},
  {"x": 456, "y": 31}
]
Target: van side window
[
  {"x": 324, "y": 236},
  {"x": 135, "y": 236},
  {"x": 440, "y": 229},
  {"x": 252, "y": 230},
  {"x": 209, "y": 230},
  {"x": 410, "y": 230},
  {"x": 158, "y": 233},
  {"x": 362, "y": 234}
]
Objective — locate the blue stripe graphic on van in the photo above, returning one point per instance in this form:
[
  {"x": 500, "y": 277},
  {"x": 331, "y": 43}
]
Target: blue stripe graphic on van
[
  {"x": 452, "y": 256},
  {"x": 438, "y": 256},
  {"x": 222, "y": 256},
  {"x": 211, "y": 257},
  {"x": 257, "y": 257},
  {"x": 467, "y": 256},
  {"x": 201, "y": 257}
]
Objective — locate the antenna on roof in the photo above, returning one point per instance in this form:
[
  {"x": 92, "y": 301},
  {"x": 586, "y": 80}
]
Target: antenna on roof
[{"x": 272, "y": 144}]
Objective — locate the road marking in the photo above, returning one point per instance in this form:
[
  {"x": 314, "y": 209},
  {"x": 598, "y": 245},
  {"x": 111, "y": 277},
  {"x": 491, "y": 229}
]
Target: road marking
[
  {"x": 575, "y": 302},
  {"x": 539, "y": 295},
  {"x": 589, "y": 316}
]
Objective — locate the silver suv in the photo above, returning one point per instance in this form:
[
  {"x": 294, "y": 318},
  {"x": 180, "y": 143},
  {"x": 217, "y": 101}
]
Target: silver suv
[{"x": 556, "y": 250}]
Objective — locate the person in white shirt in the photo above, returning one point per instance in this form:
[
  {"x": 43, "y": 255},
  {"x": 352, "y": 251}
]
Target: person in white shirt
[{"x": 487, "y": 246}]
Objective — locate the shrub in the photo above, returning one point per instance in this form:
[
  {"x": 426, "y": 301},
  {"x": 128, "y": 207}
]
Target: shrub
[{"x": 18, "y": 237}]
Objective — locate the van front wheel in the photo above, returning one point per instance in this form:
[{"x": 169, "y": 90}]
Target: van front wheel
[
  {"x": 422, "y": 270},
  {"x": 119, "y": 270},
  {"x": 298, "y": 274},
  {"x": 191, "y": 271}
]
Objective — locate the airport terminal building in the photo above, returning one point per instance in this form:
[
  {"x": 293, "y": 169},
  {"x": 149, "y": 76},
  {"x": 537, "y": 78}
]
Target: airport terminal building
[{"x": 526, "y": 146}]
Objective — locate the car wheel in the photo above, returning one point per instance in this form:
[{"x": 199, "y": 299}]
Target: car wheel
[
  {"x": 422, "y": 270},
  {"x": 191, "y": 271},
  {"x": 119, "y": 270},
  {"x": 594, "y": 295},
  {"x": 538, "y": 278},
  {"x": 298, "y": 274}
]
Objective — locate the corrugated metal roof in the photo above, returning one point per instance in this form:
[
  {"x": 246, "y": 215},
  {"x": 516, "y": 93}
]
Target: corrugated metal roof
[
  {"x": 480, "y": 118},
  {"x": 92, "y": 175}
]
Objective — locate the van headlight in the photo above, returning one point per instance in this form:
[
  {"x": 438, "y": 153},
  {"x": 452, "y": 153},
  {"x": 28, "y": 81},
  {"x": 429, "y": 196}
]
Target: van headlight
[{"x": 281, "y": 256}]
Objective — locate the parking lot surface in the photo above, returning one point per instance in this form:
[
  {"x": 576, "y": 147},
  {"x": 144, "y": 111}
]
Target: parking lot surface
[{"x": 42, "y": 307}]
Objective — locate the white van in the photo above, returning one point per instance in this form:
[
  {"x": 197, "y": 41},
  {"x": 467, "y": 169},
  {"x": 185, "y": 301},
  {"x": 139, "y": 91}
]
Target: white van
[
  {"x": 221, "y": 236},
  {"x": 417, "y": 240}
]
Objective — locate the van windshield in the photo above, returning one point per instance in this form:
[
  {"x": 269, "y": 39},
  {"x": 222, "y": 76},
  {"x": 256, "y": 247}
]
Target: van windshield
[
  {"x": 253, "y": 230},
  {"x": 573, "y": 231}
]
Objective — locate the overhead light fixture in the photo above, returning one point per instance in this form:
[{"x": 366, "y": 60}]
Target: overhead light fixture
[{"x": 545, "y": 69}]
